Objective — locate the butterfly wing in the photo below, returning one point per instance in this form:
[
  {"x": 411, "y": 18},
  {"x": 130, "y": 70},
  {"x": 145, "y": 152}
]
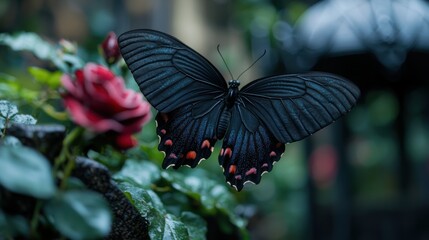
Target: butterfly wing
[
  {"x": 295, "y": 106},
  {"x": 183, "y": 86},
  {"x": 186, "y": 139},
  {"x": 248, "y": 150},
  {"x": 169, "y": 73}
]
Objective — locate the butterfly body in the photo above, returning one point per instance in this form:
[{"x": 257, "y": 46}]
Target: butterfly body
[{"x": 196, "y": 107}]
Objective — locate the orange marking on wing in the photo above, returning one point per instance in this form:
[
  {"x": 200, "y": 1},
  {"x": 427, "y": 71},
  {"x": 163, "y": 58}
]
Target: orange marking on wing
[
  {"x": 191, "y": 155},
  {"x": 232, "y": 169}
]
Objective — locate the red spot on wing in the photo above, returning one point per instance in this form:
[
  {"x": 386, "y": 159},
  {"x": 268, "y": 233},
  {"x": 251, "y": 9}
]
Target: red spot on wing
[
  {"x": 205, "y": 144},
  {"x": 228, "y": 152},
  {"x": 251, "y": 171},
  {"x": 273, "y": 154},
  {"x": 238, "y": 177},
  {"x": 191, "y": 155},
  {"x": 222, "y": 151},
  {"x": 168, "y": 143},
  {"x": 163, "y": 131},
  {"x": 232, "y": 169},
  {"x": 172, "y": 155},
  {"x": 265, "y": 165}
]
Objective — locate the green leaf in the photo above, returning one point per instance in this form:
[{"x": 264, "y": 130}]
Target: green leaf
[
  {"x": 80, "y": 214},
  {"x": 197, "y": 227},
  {"x": 7, "y": 109},
  {"x": 26, "y": 171},
  {"x": 11, "y": 141},
  {"x": 142, "y": 173},
  {"x": 162, "y": 224},
  {"x": 24, "y": 119},
  {"x": 8, "y": 115},
  {"x": 43, "y": 76},
  {"x": 212, "y": 195},
  {"x": 12, "y": 225},
  {"x": 28, "y": 41}
]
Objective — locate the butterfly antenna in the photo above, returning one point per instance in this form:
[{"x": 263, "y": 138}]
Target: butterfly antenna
[
  {"x": 263, "y": 54},
  {"x": 223, "y": 59}
]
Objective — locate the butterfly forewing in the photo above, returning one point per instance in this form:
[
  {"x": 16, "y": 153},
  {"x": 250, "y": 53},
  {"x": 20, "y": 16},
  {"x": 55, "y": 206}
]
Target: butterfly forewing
[
  {"x": 169, "y": 73},
  {"x": 295, "y": 106}
]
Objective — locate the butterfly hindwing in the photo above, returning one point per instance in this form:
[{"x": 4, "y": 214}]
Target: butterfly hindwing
[
  {"x": 187, "y": 139},
  {"x": 248, "y": 150},
  {"x": 295, "y": 106},
  {"x": 169, "y": 73}
]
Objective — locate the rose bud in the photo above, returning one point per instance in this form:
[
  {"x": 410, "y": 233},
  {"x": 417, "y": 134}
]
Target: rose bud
[{"x": 110, "y": 48}]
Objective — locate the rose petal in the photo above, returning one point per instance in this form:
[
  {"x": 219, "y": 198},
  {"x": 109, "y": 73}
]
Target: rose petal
[
  {"x": 125, "y": 141},
  {"x": 87, "y": 118}
]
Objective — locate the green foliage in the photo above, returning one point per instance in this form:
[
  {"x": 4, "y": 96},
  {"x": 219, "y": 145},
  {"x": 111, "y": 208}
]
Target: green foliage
[
  {"x": 51, "y": 79},
  {"x": 12, "y": 225},
  {"x": 26, "y": 171},
  {"x": 9, "y": 114},
  {"x": 79, "y": 214},
  {"x": 189, "y": 194},
  {"x": 42, "y": 49}
]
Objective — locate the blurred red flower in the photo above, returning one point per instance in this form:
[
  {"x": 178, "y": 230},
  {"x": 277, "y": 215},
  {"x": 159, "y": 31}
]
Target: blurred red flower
[
  {"x": 110, "y": 48},
  {"x": 323, "y": 165},
  {"x": 99, "y": 101}
]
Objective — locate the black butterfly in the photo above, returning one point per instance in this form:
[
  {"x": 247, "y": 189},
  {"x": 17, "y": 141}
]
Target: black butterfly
[{"x": 197, "y": 107}]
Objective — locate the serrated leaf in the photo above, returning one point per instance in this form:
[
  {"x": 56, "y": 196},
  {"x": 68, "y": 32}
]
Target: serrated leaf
[
  {"x": 24, "y": 119},
  {"x": 162, "y": 224},
  {"x": 80, "y": 214},
  {"x": 7, "y": 109},
  {"x": 197, "y": 226},
  {"x": 8, "y": 115},
  {"x": 43, "y": 76},
  {"x": 26, "y": 171},
  {"x": 143, "y": 173}
]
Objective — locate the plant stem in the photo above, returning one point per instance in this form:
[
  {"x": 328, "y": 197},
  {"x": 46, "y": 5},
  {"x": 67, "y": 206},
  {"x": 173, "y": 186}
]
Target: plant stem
[
  {"x": 68, "y": 154},
  {"x": 70, "y": 139},
  {"x": 35, "y": 219}
]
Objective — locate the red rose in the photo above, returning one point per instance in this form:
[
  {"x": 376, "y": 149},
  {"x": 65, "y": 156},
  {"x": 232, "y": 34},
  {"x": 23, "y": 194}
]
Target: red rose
[
  {"x": 110, "y": 48},
  {"x": 99, "y": 101}
]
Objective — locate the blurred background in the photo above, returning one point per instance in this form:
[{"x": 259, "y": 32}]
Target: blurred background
[{"x": 364, "y": 177}]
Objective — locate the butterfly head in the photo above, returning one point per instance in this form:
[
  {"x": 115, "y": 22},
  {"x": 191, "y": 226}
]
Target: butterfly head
[{"x": 234, "y": 83}]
